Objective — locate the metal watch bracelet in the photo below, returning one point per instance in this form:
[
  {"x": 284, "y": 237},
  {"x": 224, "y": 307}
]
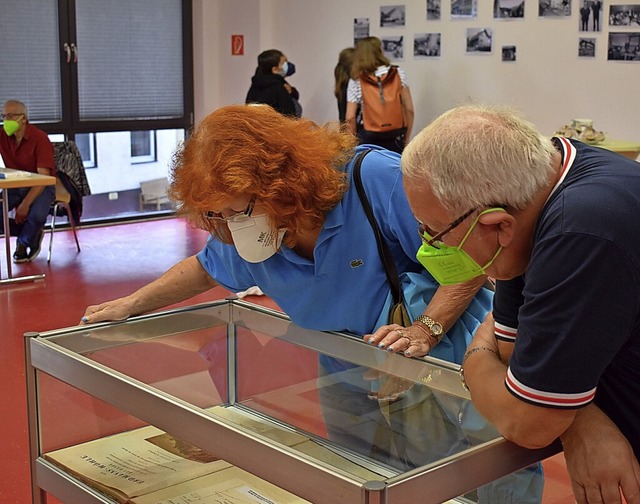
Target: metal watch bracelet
[{"x": 428, "y": 322}]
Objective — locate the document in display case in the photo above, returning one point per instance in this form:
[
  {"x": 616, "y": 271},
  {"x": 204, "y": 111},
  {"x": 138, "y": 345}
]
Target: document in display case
[{"x": 278, "y": 414}]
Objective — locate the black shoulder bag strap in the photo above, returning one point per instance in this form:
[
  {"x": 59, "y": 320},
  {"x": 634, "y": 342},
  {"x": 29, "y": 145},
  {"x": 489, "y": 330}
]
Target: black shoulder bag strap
[{"x": 383, "y": 248}]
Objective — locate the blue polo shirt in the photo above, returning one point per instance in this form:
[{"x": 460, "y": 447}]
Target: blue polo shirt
[{"x": 345, "y": 287}]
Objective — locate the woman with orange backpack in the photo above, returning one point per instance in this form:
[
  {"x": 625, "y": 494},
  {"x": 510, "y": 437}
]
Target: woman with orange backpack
[{"x": 382, "y": 91}]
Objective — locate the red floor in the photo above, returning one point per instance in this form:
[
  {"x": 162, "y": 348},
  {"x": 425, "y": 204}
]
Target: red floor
[{"x": 114, "y": 261}]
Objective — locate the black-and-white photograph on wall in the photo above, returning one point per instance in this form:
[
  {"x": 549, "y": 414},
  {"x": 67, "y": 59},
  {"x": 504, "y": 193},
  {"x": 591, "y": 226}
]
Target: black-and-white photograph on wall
[
  {"x": 426, "y": 45},
  {"x": 433, "y": 10},
  {"x": 624, "y": 15},
  {"x": 552, "y": 8},
  {"x": 507, "y": 9},
  {"x": 479, "y": 40},
  {"x": 392, "y": 15},
  {"x": 624, "y": 46},
  {"x": 587, "y": 48},
  {"x": 393, "y": 47},
  {"x": 360, "y": 29},
  {"x": 590, "y": 15},
  {"x": 464, "y": 9},
  {"x": 508, "y": 53}
]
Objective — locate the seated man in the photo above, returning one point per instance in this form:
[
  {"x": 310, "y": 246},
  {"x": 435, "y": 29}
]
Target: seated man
[{"x": 25, "y": 147}]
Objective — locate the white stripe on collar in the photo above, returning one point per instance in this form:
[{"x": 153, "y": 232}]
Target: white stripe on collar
[{"x": 568, "y": 156}]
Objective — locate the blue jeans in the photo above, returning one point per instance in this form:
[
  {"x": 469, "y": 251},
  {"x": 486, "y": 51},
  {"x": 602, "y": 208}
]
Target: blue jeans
[{"x": 28, "y": 232}]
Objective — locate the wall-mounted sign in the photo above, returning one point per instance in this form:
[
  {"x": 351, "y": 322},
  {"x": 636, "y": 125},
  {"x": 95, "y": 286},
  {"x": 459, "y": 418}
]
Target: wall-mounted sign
[{"x": 237, "y": 45}]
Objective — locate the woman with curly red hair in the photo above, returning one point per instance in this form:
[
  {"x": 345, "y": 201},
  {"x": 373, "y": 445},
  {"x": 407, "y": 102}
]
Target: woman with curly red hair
[{"x": 275, "y": 192}]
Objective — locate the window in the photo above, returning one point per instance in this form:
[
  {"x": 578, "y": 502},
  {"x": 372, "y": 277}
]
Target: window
[
  {"x": 131, "y": 66},
  {"x": 86, "y": 143},
  {"x": 143, "y": 146},
  {"x": 115, "y": 76},
  {"x": 29, "y": 58},
  {"x": 99, "y": 65}
]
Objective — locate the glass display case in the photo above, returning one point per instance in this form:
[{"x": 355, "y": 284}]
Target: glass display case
[{"x": 322, "y": 416}]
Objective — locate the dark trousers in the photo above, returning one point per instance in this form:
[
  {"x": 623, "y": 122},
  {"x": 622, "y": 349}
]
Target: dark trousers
[{"x": 28, "y": 232}]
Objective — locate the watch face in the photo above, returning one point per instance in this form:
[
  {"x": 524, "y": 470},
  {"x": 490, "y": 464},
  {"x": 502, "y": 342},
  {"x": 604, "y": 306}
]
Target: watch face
[{"x": 436, "y": 328}]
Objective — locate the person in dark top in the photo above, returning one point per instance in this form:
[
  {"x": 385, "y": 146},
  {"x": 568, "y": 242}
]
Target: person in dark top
[
  {"x": 268, "y": 84},
  {"x": 595, "y": 7},
  {"x": 549, "y": 220},
  {"x": 585, "y": 12}
]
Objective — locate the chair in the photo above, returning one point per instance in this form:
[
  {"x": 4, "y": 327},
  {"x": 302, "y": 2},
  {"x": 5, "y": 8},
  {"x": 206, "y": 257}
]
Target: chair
[
  {"x": 154, "y": 192},
  {"x": 61, "y": 206},
  {"x": 71, "y": 187}
]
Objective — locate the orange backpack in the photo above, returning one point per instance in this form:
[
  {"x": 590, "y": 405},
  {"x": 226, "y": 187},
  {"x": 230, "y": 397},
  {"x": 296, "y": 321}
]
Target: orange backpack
[{"x": 382, "y": 102}]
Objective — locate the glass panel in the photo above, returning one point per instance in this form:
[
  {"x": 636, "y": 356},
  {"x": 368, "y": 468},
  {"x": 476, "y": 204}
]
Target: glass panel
[
  {"x": 29, "y": 58},
  {"x": 56, "y": 137},
  {"x": 130, "y": 59},
  {"x": 323, "y": 397},
  {"x": 283, "y": 387},
  {"x": 86, "y": 143},
  {"x": 116, "y": 177}
]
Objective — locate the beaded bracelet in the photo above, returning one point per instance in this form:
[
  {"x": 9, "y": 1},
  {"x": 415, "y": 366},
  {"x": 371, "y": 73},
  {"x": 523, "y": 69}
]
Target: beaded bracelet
[{"x": 469, "y": 353}]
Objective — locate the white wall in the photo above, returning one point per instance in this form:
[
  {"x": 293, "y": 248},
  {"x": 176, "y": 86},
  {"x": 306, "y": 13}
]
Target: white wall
[{"x": 548, "y": 81}]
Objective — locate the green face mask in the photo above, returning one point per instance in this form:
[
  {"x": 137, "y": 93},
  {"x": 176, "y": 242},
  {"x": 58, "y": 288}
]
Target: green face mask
[
  {"x": 452, "y": 265},
  {"x": 10, "y": 127}
]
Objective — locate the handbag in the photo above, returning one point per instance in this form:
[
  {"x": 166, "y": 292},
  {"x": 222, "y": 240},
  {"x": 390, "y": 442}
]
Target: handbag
[{"x": 398, "y": 313}]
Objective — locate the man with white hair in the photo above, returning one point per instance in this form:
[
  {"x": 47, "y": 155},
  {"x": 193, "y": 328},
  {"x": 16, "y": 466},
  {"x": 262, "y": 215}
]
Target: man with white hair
[
  {"x": 25, "y": 147},
  {"x": 553, "y": 221}
]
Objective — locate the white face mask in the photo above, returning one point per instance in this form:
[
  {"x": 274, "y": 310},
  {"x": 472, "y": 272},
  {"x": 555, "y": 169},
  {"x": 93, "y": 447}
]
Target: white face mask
[{"x": 255, "y": 238}]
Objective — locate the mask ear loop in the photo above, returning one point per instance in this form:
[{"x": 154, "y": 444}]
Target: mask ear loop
[{"x": 473, "y": 225}]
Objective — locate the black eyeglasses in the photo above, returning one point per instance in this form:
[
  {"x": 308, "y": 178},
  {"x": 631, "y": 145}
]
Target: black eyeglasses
[
  {"x": 11, "y": 117},
  {"x": 238, "y": 216},
  {"x": 431, "y": 238}
]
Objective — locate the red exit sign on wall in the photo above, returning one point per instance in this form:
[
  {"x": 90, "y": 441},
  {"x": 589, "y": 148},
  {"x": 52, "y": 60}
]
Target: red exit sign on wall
[{"x": 237, "y": 45}]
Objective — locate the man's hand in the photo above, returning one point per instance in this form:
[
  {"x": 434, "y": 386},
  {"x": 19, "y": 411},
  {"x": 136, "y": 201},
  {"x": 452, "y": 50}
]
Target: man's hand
[
  {"x": 600, "y": 461},
  {"x": 22, "y": 211}
]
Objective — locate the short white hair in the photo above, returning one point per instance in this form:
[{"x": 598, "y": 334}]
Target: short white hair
[
  {"x": 476, "y": 156},
  {"x": 21, "y": 105}
]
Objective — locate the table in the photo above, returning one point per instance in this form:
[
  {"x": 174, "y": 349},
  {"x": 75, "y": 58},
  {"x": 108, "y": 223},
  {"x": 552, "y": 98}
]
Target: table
[
  {"x": 627, "y": 149},
  {"x": 31, "y": 180},
  {"x": 257, "y": 402}
]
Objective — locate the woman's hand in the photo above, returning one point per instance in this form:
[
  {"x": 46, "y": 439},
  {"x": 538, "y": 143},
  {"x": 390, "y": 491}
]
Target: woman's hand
[
  {"x": 118, "y": 309},
  {"x": 413, "y": 341}
]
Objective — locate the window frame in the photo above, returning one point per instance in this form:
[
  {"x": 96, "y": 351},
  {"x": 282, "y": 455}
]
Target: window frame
[{"x": 70, "y": 124}]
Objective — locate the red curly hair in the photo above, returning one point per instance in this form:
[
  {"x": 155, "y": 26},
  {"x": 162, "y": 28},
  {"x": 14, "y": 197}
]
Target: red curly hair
[{"x": 292, "y": 166}]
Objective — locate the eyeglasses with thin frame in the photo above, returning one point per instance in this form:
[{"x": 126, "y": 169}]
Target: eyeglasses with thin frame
[
  {"x": 11, "y": 117},
  {"x": 433, "y": 239},
  {"x": 238, "y": 216}
]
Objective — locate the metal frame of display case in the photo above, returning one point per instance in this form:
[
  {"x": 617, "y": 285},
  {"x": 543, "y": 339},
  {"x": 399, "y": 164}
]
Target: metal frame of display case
[{"x": 293, "y": 471}]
